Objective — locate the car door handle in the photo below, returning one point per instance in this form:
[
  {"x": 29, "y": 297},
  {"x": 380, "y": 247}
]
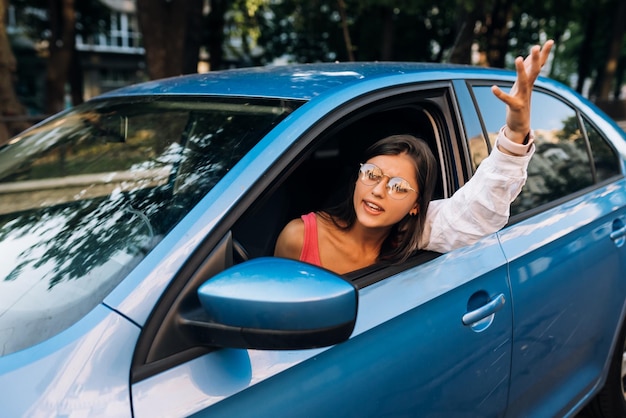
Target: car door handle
[
  {"x": 618, "y": 233},
  {"x": 484, "y": 311}
]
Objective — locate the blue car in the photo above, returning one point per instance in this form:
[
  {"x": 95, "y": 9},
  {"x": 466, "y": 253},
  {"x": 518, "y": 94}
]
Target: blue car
[{"x": 137, "y": 233}]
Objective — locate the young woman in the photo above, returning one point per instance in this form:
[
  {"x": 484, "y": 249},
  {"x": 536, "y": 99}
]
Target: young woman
[{"x": 389, "y": 214}]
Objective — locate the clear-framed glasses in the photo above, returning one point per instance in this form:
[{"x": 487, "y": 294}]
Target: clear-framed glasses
[{"x": 397, "y": 187}]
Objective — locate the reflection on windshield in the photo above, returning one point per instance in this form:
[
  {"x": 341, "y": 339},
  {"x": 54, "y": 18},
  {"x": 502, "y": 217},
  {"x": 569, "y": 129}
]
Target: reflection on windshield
[{"x": 84, "y": 197}]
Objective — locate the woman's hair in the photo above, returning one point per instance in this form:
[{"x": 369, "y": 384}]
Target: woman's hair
[{"x": 404, "y": 236}]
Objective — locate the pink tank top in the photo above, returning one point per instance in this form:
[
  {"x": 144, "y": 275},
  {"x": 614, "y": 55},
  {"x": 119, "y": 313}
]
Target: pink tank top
[{"x": 310, "y": 248}]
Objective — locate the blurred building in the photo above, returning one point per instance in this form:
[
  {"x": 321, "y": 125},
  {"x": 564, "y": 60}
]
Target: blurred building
[
  {"x": 107, "y": 60},
  {"x": 114, "y": 58}
]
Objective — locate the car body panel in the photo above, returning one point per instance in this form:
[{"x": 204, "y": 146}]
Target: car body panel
[
  {"x": 557, "y": 343},
  {"x": 404, "y": 324},
  {"x": 83, "y": 371}
]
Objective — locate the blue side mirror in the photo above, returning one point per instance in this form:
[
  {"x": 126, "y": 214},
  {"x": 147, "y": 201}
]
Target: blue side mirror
[{"x": 274, "y": 303}]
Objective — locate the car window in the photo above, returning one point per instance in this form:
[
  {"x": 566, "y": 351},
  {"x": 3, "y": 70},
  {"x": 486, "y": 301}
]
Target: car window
[
  {"x": 561, "y": 164},
  {"x": 85, "y": 196},
  {"x": 322, "y": 177},
  {"x": 605, "y": 158}
]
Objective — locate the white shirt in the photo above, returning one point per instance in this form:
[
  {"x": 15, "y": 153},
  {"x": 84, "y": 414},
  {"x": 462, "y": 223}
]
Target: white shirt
[{"x": 482, "y": 206}]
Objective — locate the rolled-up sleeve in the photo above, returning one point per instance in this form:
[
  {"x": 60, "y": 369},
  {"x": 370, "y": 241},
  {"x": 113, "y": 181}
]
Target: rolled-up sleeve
[{"x": 482, "y": 206}]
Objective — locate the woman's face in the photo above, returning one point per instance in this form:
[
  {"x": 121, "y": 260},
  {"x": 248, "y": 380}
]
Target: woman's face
[{"x": 374, "y": 206}]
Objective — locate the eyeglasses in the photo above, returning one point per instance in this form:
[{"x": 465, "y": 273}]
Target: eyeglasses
[{"x": 397, "y": 187}]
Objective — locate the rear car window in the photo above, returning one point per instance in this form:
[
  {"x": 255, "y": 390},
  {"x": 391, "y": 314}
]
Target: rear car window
[{"x": 562, "y": 164}]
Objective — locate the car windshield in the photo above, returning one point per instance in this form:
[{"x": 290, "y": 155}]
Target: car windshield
[{"x": 86, "y": 195}]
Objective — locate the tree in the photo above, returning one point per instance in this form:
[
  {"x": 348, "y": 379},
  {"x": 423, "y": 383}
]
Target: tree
[
  {"x": 344, "y": 28},
  {"x": 61, "y": 49},
  {"x": 9, "y": 104},
  {"x": 496, "y": 34},
  {"x": 215, "y": 36},
  {"x": 468, "y": 15},
  {"x": 170, "y": 29},
  {"x": 608, "y": 71},
  {"x": 258, "y": 32},
  {"x": 419, "y": 30},
  {"x": 57, "y": 22},
  {"x": 310, "y": 31},
  {"x": 300, "y": 31}
]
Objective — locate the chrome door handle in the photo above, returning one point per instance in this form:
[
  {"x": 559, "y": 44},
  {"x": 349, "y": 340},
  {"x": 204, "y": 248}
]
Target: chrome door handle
[
  {"x": 484, "y": 311},
  {"x": 617, "y": 234}
]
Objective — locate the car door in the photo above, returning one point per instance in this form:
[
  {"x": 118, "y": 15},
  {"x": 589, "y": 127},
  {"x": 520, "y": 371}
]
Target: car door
[
  {"x": 566, "y": 259},
  {"x": 415, "y": 350},
  {"x": 432, "y": 337}
]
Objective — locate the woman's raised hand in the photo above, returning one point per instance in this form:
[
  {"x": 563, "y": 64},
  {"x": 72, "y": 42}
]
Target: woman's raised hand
[{"x": 518, "y": 99}]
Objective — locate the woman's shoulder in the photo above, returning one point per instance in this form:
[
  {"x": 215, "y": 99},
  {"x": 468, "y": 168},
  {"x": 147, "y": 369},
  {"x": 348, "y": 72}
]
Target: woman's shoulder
[
  {"x": 295, "y": 226},
  {"x": 291, "y": 239}
]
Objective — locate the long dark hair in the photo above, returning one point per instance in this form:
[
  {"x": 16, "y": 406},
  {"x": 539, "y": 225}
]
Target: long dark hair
[{"x": 405, "y": 236}]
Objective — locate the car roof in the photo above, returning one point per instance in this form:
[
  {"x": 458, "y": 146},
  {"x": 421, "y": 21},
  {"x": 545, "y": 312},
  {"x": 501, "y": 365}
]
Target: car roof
[{"x": 302, "y": 81}]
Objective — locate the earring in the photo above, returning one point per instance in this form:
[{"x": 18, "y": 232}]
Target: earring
[{"x": 413, "y": 212}]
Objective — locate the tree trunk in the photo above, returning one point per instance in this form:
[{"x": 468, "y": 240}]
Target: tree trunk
[
  {"x": 77, "y": 91},
  {"x": 9, "y": 104},
  {"x": 387, "y": 41},
  {"x": 167, "y": 35},
  {"x": 498, "y": 33},
  {"x": 586, "y": 53},
  {"x": 619, "y": 78},
  {"x": 162, "y": 28},
  {"x": 193, "y": 37},
  {"x": 346, "y": 32},
  {"x": 615, "y": 49},
  {"x": 216, "y": 34},
  {"x": 461, "y": 52},
  {"x": 62, "y": 43}
]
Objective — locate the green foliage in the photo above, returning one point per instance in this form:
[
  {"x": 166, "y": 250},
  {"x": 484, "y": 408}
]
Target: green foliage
[
  {"x": 300, "y": 31},
  {"x": 259, "y": 32},
  {"x": 311, "y": 31},
  {"x": 420, "y": 30}
]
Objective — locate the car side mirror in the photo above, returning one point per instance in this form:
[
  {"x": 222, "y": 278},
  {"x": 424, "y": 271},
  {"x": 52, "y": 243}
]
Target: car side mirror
[{"x": 274, "y": 303}]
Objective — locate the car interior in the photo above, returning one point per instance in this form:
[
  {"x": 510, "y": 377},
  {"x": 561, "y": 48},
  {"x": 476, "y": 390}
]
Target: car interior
[{"x": 320, "y": 179}]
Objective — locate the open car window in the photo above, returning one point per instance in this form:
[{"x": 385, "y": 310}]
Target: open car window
[{"x": 320, "y": 179}]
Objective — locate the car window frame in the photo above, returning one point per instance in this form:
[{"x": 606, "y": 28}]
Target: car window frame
[
  {"x": 583, "y": 120},
  {"x": 451, "y": 151}
]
